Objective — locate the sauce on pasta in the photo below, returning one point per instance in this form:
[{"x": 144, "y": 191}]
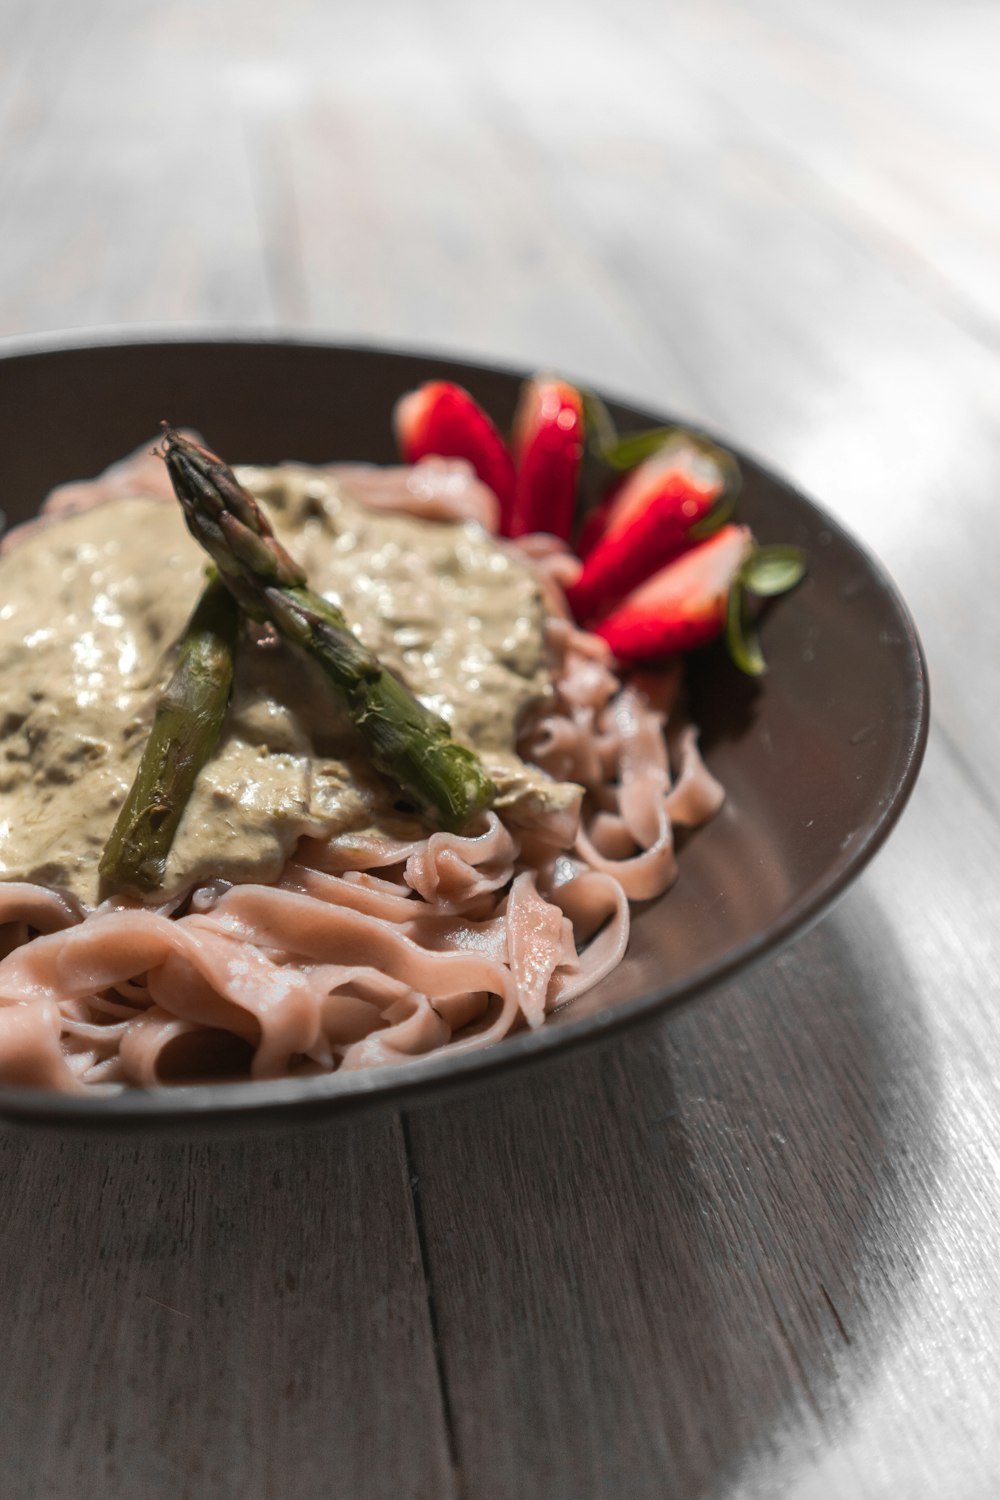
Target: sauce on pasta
[{"x": 308, "y": 922}]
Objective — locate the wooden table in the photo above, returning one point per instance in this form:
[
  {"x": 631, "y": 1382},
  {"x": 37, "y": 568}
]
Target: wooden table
[{"x": 751, "y": 1251}]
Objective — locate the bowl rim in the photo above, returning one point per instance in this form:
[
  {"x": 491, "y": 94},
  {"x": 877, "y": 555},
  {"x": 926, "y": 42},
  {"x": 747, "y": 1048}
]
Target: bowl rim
[{"x": 270, "y": 1102}]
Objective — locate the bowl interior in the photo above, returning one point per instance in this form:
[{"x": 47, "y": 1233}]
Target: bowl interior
[{"x": 817, "y": 761}]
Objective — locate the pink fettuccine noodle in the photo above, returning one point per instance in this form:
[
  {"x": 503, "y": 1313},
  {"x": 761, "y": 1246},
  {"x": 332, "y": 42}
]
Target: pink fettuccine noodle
[{"x": 369, "y": 950}]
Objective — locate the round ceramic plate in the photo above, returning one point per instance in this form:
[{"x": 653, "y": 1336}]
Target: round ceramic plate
[{"x": 817, "y": 760}]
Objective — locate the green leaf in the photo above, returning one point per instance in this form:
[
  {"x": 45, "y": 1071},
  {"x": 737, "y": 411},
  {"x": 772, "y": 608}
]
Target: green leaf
[
  {"x": 769, "y": 571},
  {"x": 631, "y": 450},
  {"x": 598, "y": 424},
  {"x": 598, "y": 434},
  {"x": 716, "y": 518},
  {"x": 742, "y": 640}
]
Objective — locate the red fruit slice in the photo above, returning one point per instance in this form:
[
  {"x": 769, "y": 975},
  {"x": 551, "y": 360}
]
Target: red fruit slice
[
  {"x": 648, "y": 523},
  {"x": 548, "y": 450},
  {"x": 443, "y": 419},
  {"x": 684, "y": 604},
  {"x": 592, "y": 529}
]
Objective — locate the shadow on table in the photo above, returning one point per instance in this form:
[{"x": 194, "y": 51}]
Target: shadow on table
[{"x": 654, "y": 1263}]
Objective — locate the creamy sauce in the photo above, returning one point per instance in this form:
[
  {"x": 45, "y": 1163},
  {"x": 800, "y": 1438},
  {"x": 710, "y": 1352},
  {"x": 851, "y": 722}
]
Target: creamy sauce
[{"x": 91, "y": 609}]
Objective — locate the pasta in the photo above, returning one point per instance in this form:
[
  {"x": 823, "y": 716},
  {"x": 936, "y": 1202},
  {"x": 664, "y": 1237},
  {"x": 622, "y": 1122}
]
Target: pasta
[{"x": 369, "y": 949}]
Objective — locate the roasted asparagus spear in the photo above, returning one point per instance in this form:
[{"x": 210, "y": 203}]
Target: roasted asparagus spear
[
  {"x": 409, "y": 745},
  {"x": 185, "y": 730}
]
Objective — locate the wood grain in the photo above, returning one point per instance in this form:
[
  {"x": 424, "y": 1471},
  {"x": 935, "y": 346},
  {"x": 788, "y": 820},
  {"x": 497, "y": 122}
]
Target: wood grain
[
  {"x": 749, "y": 1252},
  {"x": 231, "y": 1318},
  {"x": 730, "y": 1241}
]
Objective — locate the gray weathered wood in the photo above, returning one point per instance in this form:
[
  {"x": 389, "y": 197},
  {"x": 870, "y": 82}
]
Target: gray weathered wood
[
  {"x": 746, "y": 1253},
  {"x": 731, "y": 1241},
  {"x": 222, "y": 1319}
]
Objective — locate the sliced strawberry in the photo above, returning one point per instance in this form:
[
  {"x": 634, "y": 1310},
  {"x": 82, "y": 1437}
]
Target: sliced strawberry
[
  {"x": 443, "y": 419},
  {"x": 682, "y": 606},
  {"x": 548, "y": 449},
  {"x": 651, "y": 520},
  {"x": 592, "y": 528}
]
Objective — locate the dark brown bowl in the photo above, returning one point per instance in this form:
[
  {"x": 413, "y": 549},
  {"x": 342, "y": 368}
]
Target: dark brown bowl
[{"x": 817, "y": 762}]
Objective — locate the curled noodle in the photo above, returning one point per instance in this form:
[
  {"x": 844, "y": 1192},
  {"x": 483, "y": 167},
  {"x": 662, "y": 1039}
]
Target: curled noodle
[
  {"x": 367, "y": 951},
  {"x": 370, "y": 950}
]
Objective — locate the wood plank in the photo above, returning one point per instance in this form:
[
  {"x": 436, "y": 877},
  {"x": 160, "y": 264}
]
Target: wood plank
[
  {"x": 416, "y": 220},
  {"x": 184, "y": 1321},
  {"x": 893, "y": 110},
  {"x": 125, "y": 186},
  {"x": 802, "y": 341},
  {"x": 744, "y": 257},
  {"x": 748, "y": 1252},
  {"x": 219, "y": 1319}
]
